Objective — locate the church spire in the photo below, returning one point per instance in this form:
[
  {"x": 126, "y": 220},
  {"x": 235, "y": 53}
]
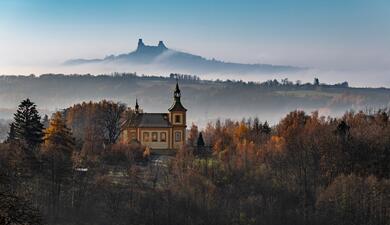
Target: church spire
[
  {"x": 136, "y": 106},
  {"x": 177, "y": 106},
  {"x": 176, "y": 93}
]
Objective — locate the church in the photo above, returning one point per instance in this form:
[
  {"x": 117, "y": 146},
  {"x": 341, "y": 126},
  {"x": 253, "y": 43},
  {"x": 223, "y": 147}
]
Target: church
[{"x": 159, "y": 131}]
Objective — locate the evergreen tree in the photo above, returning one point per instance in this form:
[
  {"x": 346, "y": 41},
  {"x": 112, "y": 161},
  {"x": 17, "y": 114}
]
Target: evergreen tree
[
  {"x": 200, "y": 146},
  {"x": 257, "y": 126},
  {"x": 266, "y": 129},
  {"x": 27, "y": 124},
  {"x": 200, "y": 142}
]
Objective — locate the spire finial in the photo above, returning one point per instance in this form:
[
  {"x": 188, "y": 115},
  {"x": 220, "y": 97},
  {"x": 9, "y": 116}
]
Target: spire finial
[
  {"x": 176, "y": 93},
  {"x": 177, "y": 85},
  {"x": 136, "y": 106}
]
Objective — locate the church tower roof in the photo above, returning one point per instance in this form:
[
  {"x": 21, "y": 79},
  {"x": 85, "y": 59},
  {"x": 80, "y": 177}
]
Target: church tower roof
[{"x": 177, "y": 106}]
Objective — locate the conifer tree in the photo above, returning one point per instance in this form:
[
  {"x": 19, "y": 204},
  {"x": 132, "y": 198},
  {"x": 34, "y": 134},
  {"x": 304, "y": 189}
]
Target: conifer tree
[
  {"x": 200, "y": 142},
  {"x": 27, "y": 124},
  {"x": 266, "y": 129}
]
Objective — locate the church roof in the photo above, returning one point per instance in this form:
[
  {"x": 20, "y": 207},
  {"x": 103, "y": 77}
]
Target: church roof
[
  {"x": 177, "y": 106},
  {"x": 159, "y": 120}
]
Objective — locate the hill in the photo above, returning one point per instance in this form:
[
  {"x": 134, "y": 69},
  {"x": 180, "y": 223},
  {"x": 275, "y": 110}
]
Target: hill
[
  {"x": 205, "y": 99},
  {"x": 161, "y": 58}
]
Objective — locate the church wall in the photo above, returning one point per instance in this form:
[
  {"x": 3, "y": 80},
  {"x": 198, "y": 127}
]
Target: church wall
[{"x": 153, "y": 137}]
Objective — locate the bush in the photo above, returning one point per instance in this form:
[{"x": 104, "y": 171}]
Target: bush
[{"x": 125, "y": 153}]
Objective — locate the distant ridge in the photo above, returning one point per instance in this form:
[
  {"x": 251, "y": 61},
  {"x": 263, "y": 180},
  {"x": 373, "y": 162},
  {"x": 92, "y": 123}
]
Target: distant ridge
[{"x": 161, "y": 57}]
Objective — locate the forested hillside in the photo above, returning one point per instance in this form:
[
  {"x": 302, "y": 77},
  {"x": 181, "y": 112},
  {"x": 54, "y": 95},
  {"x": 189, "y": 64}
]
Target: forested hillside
[{"x": 205, "y": 100}]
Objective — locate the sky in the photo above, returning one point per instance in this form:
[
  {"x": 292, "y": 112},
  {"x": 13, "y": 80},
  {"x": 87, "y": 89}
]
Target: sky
[{"x": 351, "y": 37}]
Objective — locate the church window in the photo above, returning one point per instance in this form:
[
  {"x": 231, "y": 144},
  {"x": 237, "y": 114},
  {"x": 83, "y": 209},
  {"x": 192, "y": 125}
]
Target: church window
[
  {"x": 132, "y": 135},
  {"x": 154, "y": 137},
  {"x": 163, "y": 137},
  {"x": 177, "y": 136},
  {"x": 146, "y": 136}
]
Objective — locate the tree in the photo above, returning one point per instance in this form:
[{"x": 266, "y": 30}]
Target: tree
[
  {"x": 11, "y": 134},
  {"x": 355, "y": 200},
  {"x": 45, "y": 121},
  {"x": 265, "y": 128},
  {"x": 105, "y": 119},
  {"x": 316, "y": 82},
  {"x": 200, "y": 142},
  {"x": 15, "y": 210},
  {"x": 300, "y": 156},
  {"x": 16, "y": 205},
  {"x": 113, "y": 119},
  {"x": 257, "y": 126},
  {"x": 200, "y": 146},
  {"x": 27, "y": 124},
  {"x": 343, "y": 130},
  {"x": 57, "y": 156},
  {"x": 193, "y": 135}
]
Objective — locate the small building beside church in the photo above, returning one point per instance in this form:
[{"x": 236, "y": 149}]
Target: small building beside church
[{"x": 159, "y": 131}]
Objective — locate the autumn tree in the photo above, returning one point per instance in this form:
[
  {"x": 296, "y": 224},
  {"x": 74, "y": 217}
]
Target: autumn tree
[
  {"x": 114, "y": 119},
  {"x": 300, "y": 156},
  {"x": 57, "y": 156},
  {"x": 193, "y": 135},
  {"x": 355, "y": 200},
  {"x": 96, "y": 125}
]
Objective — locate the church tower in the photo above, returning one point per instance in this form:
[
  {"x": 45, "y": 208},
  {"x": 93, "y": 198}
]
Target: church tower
[{"x": 177, "y": 117}]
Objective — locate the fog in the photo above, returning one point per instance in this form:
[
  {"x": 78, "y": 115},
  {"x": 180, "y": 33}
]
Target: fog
[{"x": 379, "y": 77}]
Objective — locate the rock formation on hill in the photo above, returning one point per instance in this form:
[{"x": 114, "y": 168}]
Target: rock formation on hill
[{"x": 161, "y": 57}]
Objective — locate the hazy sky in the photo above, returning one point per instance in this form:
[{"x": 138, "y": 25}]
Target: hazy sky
[{"x": 342, "y": 35}]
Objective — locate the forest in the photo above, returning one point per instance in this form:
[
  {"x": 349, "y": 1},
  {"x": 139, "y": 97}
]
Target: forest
[{"x": 306, "y": 169}]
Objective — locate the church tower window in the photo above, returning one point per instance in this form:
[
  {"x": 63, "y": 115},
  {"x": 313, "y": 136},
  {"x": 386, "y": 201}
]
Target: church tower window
[
  {"x": 177, "y": 136},
  {"x": 177, "y": 119}
]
